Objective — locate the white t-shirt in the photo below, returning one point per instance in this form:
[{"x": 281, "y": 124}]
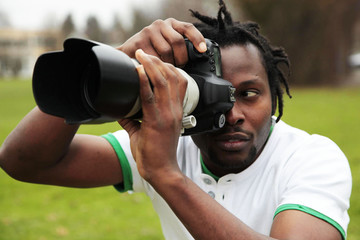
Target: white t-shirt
[{"x": 294, "y": 171}]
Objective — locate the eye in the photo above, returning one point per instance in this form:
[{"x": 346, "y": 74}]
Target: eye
[{"x": 249, "y": 93}]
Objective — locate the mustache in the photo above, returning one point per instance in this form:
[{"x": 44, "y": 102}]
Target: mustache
[{"x": 227, "y": 129}]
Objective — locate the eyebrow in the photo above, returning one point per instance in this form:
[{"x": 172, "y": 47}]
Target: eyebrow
[{"x": 250, "y": 82}]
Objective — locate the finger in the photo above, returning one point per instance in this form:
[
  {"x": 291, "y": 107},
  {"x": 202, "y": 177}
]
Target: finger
[
  {"x": 141, "y": 40},
  {"x": 146, "y": 93},
  {"x": 176, "y": 81},
  {"x": 129, "y": 125},
  {"x": 169, "y": 85},
  {"x": 166, "y": 79},
  {"x": 152, "y": 66},
  {"x": 167, "y": 101},
  {"x": 163, "y": 48},
  {"x": 176, "y": 88},
  {"x": 149, "y": 49},
  {"x": 170, "y": 44},
  {"x": 153, "y": 100},
  {"x": 191, "y": 32},
  {"x": 157, "y": 42},
  {"x": 178, "y": 47},
  {"x": 146, "y": 39}
]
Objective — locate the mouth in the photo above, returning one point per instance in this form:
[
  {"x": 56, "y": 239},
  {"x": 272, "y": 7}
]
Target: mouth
[{"x": 233, "y": 142}]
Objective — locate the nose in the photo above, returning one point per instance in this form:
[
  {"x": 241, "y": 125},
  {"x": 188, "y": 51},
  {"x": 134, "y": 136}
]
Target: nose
[{"x": 235, "y": 116}]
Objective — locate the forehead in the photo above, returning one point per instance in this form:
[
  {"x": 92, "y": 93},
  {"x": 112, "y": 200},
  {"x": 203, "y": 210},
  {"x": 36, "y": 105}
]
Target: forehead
[{"x": 241, "y": 62}]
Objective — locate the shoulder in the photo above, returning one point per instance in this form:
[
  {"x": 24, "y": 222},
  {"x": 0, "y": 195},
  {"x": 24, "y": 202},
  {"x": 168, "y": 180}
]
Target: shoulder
[
  {"x": 298, "y": 140},
  {"x": 297, "y": 149},
  {"x": 309, "y": 162},
  {"x": 313, "y": 172}
]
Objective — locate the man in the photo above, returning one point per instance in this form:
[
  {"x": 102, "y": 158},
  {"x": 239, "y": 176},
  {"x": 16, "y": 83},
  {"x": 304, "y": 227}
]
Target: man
[{"x": 257, "y": 178}]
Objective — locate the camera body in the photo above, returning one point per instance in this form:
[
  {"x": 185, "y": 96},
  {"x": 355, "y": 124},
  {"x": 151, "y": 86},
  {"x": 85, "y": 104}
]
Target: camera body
[
  {"x": 92, "y": 83},
  {"x": 216, "y": 94}
]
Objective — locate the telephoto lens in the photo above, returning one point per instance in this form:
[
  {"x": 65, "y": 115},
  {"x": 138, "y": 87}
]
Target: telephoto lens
[{"x": 91, "y": 83}]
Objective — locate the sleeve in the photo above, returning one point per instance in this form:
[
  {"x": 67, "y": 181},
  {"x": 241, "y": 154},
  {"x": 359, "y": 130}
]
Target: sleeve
[
  {"x": 317, "y": 180},
  {"x": 121, "y": 144}
]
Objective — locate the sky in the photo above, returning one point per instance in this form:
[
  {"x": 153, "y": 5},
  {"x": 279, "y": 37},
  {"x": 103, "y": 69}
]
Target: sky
[{"x": 38, "y": 14}]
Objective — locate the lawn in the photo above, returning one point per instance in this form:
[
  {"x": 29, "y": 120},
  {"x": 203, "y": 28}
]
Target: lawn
[{"x": 37, "y": 212}]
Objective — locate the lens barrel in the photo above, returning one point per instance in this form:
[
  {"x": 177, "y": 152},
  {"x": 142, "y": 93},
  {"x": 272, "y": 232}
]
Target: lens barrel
[
  {"x": 91, "y": 83},
  {"x": 88, "y": 82}
]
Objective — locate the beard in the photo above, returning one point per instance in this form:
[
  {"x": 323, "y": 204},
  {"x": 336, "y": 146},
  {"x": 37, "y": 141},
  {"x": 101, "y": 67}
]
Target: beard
[{"x": 235, "y": 166}]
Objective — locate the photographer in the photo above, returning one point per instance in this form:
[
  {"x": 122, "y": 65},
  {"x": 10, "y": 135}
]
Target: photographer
[{"x": 257, "y": 178}]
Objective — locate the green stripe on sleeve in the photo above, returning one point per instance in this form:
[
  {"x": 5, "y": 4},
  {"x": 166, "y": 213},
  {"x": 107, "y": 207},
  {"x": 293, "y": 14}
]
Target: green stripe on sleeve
[
  {"x": 125, "y": 166},
  {"x": 313, "y": 213}
]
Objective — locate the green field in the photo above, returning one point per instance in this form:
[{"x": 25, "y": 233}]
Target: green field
[{"x": 37, "y": 212}]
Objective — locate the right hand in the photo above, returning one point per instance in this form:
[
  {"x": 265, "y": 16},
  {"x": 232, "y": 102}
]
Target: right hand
[
  {"x": 154, "y": 141},
  {"x": 165, "y": 40}
]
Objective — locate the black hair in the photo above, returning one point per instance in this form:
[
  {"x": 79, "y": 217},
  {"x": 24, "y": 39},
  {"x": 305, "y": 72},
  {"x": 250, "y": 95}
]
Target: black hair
[{"x": 227, "y": 33}]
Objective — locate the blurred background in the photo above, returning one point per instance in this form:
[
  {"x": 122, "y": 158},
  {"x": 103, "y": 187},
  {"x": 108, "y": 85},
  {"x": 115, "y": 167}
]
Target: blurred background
[{"x": 322, "y": 39}]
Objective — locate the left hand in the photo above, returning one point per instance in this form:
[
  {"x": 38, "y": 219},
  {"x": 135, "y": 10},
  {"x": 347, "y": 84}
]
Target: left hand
[
  {"x": 165, "y": 40},
  {"x": 154, "y": 140}
]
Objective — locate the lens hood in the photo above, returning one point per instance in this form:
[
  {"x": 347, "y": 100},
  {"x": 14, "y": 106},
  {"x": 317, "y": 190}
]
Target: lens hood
[{"x": 88, "y": 82}]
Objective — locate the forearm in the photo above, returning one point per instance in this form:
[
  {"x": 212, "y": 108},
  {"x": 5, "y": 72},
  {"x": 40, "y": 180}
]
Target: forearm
[
  {"x": 202, "y": 216},
  {"x": 38, "y": 141}
]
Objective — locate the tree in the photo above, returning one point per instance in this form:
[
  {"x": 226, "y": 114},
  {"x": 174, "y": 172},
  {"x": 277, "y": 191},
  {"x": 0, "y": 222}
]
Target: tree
[
  {"x": 318, "y": 35},
  {"x": 180, "y": 11},
  {"x": 140, "y": 20},
  {"x": 68, "y": 26},
  {"x": 93, "y": 30},
  {"x": 169, "y": 9},
  {"x": 16, "y": 66},
  {"x": 117, "y": 34}
]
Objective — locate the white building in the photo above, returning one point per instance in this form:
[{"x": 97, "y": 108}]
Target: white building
[{"x": 19, "y": 50}]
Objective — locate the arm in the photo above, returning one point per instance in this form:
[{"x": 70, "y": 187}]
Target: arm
[
  {"x": 201, "y": 215},
  {"x": 196, "y": 209},
  {"x": 43, "y": 149}
]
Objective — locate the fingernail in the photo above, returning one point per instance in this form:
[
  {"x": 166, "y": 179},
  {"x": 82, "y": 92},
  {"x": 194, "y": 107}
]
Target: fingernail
[
  {"x": 140, "y": 51},
  {"x": 202, "y": 47}
]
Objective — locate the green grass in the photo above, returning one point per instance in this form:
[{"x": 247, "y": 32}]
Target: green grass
[{"x": 37, "y": 212}]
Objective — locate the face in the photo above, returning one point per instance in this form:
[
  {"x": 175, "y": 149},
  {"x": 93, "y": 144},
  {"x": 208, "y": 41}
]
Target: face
[{"x": 236, "y": 146}]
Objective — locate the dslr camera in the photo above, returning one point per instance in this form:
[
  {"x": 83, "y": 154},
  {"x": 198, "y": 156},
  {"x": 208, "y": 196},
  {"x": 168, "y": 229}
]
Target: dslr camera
[{"x": 91, "y": 83}]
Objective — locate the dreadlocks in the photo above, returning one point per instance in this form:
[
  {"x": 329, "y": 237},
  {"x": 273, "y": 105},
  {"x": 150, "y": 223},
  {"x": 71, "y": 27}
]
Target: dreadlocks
[{"x": 226, "y": 33}]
